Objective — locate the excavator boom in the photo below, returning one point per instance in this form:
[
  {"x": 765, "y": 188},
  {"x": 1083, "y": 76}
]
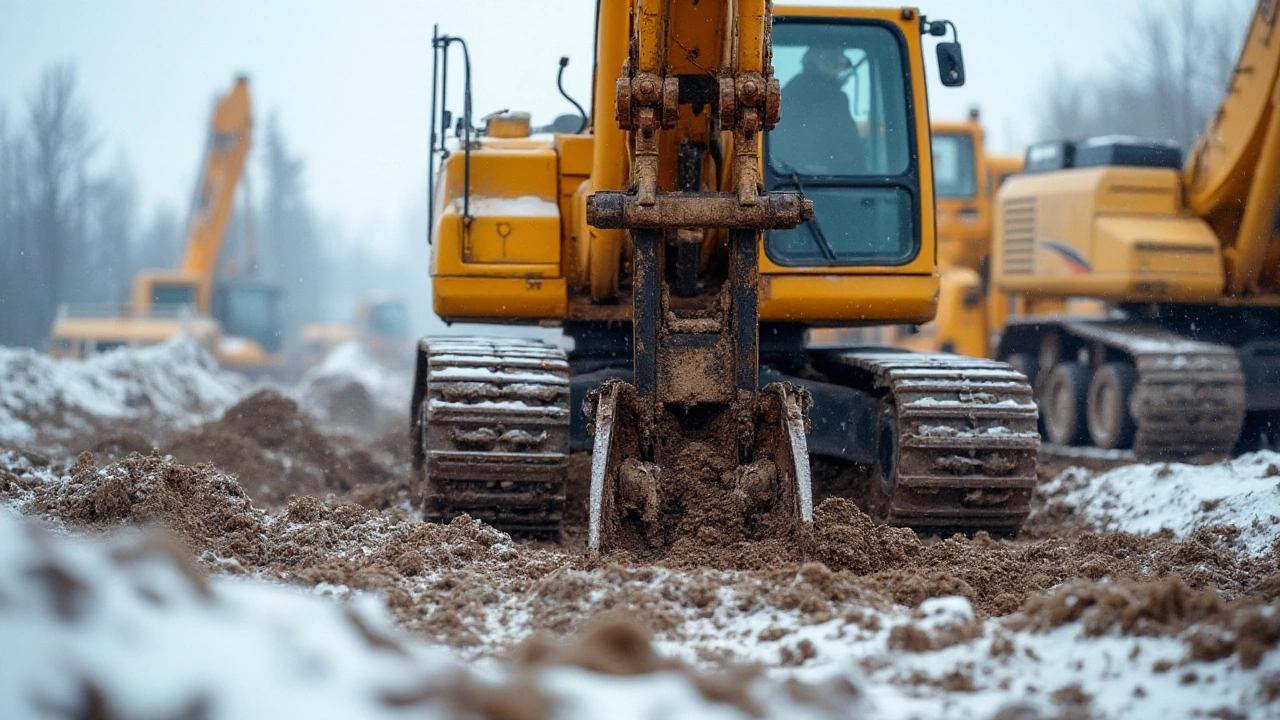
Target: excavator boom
[
  {"x": 750, "y": 172},
  {"x": 1185, "y": 361},
  {"x": 229, "y": 142}
]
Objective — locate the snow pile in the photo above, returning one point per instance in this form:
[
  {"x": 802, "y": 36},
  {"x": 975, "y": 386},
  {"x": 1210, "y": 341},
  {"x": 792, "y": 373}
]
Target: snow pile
[
  {"x": 938, "y": 662},
  {"x": 125, "y": 628},
  {"x": 176, "y": 382},
  {"x": 352, "y": 389},
  {"x": 1145, "y": 499}
]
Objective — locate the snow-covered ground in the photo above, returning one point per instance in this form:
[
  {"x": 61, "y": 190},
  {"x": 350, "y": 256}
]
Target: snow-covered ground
[
  {"x": 937, "y": 662},
  {"x": 1148, "y": 498},
  {"x": 125, "y": 628},
  {"x": 123, "y": 625},
  {"x": 351, "y": 389},
  {"x": 176, "y": 382}
]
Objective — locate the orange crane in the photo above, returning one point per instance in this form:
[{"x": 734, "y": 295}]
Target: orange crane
[{"x": 236, "y": 318}]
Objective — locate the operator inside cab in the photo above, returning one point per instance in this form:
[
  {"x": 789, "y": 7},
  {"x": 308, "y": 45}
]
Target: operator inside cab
[
  {"x": 845, "y": 141},
  {"x": 823, "y": 139}
]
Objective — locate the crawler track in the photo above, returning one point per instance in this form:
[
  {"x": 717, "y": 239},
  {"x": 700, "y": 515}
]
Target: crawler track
[
  {"x": 966, "y": 439},
  {"x": 493, "y": 432},
  {"x": 1189, "y": 398}
]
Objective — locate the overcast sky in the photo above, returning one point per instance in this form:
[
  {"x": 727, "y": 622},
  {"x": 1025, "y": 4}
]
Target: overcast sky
[{"x": 350, "y": 81}]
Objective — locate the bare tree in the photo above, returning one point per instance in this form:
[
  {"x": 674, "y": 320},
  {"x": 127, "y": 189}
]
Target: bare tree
[
  {"x": 290, "y": 250},
  {"x": 111, "y": 215},
  {"x": 1165, "y": 85},
  {"x": 20, "y": 312},
  {"x": 62, "y": 145}
]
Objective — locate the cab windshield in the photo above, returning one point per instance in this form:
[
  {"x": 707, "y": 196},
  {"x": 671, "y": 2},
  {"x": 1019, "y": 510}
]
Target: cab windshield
[
  {"x": 954, "y": 175},
  {"x": 172, "y": 296},
  {"x": 389, "y": 319},
  {"x": 250, "y": 312},
  {"x": 845, "y": 140}
]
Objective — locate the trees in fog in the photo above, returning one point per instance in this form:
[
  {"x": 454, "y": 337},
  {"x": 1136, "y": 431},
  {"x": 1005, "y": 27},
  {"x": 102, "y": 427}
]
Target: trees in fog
[
  {"x": 290, "y": 251},
  {"x": 70, "y": 234},
  {"x": 1165, "y": 84},
  {"x": 67, "y": 234}
]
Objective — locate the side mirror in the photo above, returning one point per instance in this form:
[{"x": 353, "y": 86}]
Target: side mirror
[{"x": 950, "y": 64}]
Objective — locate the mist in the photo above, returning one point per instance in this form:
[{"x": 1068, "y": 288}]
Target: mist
[{"x": 334, "y": 203}]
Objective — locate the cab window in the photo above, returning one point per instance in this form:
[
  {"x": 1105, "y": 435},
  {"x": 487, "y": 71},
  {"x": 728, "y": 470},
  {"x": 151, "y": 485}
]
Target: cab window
[
  {"x": 845, "y": 139},
  {"x": 954, "y": 175}
]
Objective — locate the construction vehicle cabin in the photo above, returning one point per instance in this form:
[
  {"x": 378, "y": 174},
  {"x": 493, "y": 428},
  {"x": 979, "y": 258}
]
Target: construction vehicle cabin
[{"x": 743, "y": 176}]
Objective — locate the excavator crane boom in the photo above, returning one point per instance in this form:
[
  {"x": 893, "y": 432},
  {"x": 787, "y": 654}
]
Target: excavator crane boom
[
  {"x": 229, "y": 142},
  {"x": 1187, "y": 360},
  {"x": 236, "y": 319}
]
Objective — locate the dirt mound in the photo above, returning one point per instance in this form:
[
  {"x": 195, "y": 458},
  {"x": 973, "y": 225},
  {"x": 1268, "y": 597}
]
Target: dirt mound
[
  {"x": 1218, "y": 629},
  {"x": 119, "y": 445},
  {"x": 343, "y": 402},
  {"x": 277, "y": 451}
]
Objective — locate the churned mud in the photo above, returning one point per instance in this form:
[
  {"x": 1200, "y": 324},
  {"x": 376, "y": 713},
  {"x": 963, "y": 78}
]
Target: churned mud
[
  {"x": 454, "y": 582},
  {"x": 263, "y": 490}
]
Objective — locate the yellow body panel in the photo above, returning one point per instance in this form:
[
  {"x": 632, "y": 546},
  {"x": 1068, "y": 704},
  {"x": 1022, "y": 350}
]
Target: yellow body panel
[
  {"x": 514, "y": 230},
  {"x": 964, "y": 223},
  {"x": 514, "y": 299},
  {"x": 543, "y": 263},
  {"x": 1001, "y": 168},
  {"x": 77, "y": 337},
  {"x": 1112, "y": 233},
  {"x": 848, "y": 299}
]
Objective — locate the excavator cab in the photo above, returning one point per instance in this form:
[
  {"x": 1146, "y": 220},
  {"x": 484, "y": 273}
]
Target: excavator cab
[
  {"x": 249, "y": 310},
  {"x": 750, "y": 172}
]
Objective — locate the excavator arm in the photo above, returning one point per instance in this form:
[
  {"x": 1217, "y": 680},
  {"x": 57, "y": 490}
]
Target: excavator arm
[
  {"x": 229, "y": 141},
  {"x": 703, "y": 353},
  {"x": 1233, "y": 176}
]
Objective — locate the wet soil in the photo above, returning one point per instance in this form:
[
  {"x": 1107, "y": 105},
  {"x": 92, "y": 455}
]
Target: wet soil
[{"x": 263, "y": 491}]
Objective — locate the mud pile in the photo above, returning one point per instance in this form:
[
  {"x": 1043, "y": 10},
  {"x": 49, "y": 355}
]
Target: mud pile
[
  {"x": 197, "y": 646},
  {"x": 277, "y": 452},
  {"x": 857, "y": 593},
  {"x": 352, "y": 392},
  {"x": 483, "y": 571}
]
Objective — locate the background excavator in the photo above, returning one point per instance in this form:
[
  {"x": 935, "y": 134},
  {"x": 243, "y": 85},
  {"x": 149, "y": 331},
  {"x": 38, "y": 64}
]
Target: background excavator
[
  {"x": 381, "y": 327},
  {"x": 1187, "y": 360},
  {"x": 235, "y": 318},
  {"x": 969, "y": 308},
  {"x": 746, "y": 173}
]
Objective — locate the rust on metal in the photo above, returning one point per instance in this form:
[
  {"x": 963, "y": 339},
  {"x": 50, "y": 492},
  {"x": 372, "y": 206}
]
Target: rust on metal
[{"x": 775, "y": 210}]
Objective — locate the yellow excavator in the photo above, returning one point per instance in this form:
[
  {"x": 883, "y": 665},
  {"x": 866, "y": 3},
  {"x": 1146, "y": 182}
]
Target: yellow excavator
[
  {"x": 1187, "y": 258},
  {"x": 963, "y": 196},
  {"x": 747, "y": 172},
  {"x": 999, "y": 169},
  {"x": 381, "y": 327},
  {"x": 965, "y": 183},
  {"x": 236, "y": 319}
]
